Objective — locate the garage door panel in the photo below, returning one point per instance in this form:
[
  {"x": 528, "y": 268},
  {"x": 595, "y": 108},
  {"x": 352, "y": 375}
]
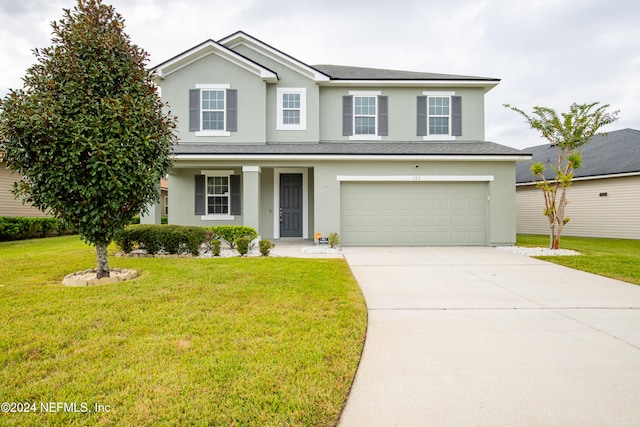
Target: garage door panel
[{"x": 413, "y": 213}]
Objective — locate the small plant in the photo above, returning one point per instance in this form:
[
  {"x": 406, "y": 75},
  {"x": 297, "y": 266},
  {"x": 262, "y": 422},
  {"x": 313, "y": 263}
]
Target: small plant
[
  {"x": 231, "y": 233},
  {"x": 215, "y": 247},
  {"x": 242, "y": 245},
  {"x": 334, "y": 239},
  {"x": 265, "y": 247}
]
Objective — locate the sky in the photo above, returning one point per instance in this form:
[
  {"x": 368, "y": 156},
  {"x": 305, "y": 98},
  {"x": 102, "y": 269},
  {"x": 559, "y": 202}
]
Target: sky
[{"x": 550, "y": 53}]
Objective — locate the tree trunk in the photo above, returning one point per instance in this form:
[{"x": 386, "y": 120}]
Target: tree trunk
[{"x": 103, "y": 260}]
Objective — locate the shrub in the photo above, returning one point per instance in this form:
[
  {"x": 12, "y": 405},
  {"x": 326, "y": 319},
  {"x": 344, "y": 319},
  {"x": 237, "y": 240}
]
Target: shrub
[
  {"x": 265, "y": 247},
  {"x": 242, "y": 245},
  {"x": 231, "y": 233},
  {"x": 215, "y": 247},
  {"x": 334, "y": 239},
  {"x": 174, "y": 239},
  {"x": 15, "y": 228}
]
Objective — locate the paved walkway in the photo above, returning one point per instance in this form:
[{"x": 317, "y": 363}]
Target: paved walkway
[{"x": 481, "y": 337}]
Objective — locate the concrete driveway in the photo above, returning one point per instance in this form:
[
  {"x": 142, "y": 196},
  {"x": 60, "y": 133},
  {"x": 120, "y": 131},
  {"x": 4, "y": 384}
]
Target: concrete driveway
[{"x": 474, "y": 336}]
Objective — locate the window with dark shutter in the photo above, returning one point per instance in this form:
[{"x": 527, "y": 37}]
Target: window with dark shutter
[
  {"x": 200, "y": 194},
  {"x": 383, "y": 115},
  {"x": 456, "y": 116},
  {"x": 347, "y": 115},
  {"x": 236, "y": 199},
  {"x": 194, "y": 110},
  {"x": 422, "y": 116},
  {"x": 232, "y": 110}
]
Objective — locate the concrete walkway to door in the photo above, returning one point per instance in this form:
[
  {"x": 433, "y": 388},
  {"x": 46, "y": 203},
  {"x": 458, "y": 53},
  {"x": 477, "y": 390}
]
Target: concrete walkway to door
[{"x": 474, "y": 336}]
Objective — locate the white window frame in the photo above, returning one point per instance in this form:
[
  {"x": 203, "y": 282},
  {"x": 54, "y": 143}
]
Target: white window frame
[
  {"x": 439, "y": 137},
  {"x": 166, "y": 205},
  {"x": 281, "y": 91},
  {"x": 364, "y": 94},
  {"x": 212, "y": 132},
  {"x": 212, "y": 174}
]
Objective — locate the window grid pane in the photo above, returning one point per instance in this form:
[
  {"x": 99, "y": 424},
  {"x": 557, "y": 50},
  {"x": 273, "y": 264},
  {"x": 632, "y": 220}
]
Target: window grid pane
[
  {"x": 365, "y": 105},
  {"x": 291, "y": 100},
  {"x": 365, "y": 126},
  {"x": 438, "y": 106},
  {"x": 212, "y": 120},
  {"x": 438, "y": 125},
  {"x": 291, "y": 117},
  {"x": 217, "y": 205}
]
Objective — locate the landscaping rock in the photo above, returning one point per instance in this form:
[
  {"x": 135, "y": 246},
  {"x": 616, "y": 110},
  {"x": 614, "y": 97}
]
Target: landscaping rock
[{"x": 88, "y": 277}]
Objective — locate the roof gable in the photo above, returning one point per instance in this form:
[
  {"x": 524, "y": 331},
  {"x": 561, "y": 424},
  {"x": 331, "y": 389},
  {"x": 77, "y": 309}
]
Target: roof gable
[
  {"x": 614, "y": 154},
  {"x": 211, "y": 47},
  {"x": 241, "y": 38}
]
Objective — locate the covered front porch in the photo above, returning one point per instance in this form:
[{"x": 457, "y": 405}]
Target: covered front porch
[{"x": 277, "y": 200}]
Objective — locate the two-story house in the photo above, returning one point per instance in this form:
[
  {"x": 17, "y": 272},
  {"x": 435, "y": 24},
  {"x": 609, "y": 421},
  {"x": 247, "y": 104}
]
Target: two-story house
[{"x": 381, "y": 157}]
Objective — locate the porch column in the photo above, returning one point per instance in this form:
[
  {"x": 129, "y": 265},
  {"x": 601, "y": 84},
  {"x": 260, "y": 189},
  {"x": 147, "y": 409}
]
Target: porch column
[
  {"x": 154, "y": 215},
  {"x": 251, "y": 196}
]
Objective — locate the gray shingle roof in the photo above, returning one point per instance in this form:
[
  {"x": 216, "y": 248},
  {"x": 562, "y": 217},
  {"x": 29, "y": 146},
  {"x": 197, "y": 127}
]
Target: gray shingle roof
[
  {"x": 341, "y": 72},
  {"x": 616, "y": 153},
  {"x": 358, "y": 148}
]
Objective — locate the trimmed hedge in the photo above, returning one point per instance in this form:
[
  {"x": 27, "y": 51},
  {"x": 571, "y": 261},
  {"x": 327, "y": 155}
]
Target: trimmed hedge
[
  {"x": 230, "y": 233},
  {"x": 173, "y": 239},
  {"x": 19, "y": 227}
]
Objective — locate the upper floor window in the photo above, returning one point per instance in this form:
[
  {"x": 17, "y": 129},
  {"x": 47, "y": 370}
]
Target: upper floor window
[
  {"x": 439, "y": 115},
  {"x": 213, "y": 110},
  {"x": 365, "y": 115},
  {"x": 291, "y": 109}
]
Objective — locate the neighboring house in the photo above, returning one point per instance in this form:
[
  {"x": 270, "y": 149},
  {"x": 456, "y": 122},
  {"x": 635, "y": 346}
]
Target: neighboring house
[
  {"x": 604, "y": 198},
  {"x": 9, "y": 205},
  {"x": 382, "y": 157}
]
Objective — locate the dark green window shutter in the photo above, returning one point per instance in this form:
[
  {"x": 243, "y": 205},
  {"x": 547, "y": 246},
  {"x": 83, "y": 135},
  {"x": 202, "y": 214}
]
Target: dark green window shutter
[
  {"x": 194, "y": 110},
  {"x": 200, "y": 195},
  {"x": 383, "y": 115},
  {"x": 456, "y": 116},
  {"x": 236, "y": 199},
  {"x": 232, "y": 110},
  {"x": 347, "y": 115},
  {"x": 422, "y": 116}
]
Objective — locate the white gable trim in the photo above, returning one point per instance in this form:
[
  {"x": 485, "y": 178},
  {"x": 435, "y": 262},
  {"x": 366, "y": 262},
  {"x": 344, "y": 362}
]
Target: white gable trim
[
  {"x": 212, "y": 48},
  {"x": 243, "y": 39}
]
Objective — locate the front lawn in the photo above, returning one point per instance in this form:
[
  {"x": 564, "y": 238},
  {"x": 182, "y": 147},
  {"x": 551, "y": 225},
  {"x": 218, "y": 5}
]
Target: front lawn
[
  {"x": 261, "y": 341},
  {"x": 616, "y": 258}
]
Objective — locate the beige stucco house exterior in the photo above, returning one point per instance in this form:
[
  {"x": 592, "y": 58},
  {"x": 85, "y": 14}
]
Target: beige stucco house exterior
[
  {"x": 604, "y": 199},
  {"x": 382, "y": 157}
]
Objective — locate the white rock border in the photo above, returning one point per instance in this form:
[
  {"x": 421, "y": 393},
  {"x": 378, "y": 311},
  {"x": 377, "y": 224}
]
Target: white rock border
[
  {"x": 88, "y": 277},
  {"x": 521, "y": 250}
]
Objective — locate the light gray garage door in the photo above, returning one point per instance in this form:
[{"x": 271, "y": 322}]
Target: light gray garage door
[{"x": 413, "y": 213}]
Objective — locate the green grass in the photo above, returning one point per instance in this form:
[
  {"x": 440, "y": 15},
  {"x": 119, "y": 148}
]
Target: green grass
[
  {"x": 260, "y": 341},
  {"x": 615, "y": 258}
]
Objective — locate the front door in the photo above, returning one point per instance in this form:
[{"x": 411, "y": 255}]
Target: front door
[{"x": 291, "y": 205}]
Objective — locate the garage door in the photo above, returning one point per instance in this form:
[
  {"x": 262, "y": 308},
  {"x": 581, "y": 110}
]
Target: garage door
[{"x": 413, "y": 213}]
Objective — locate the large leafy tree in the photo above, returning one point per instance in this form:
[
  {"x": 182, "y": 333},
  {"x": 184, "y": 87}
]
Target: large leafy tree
[
  {"x": 567, "y": 132},
  {"x": 87, "y": 132}
]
